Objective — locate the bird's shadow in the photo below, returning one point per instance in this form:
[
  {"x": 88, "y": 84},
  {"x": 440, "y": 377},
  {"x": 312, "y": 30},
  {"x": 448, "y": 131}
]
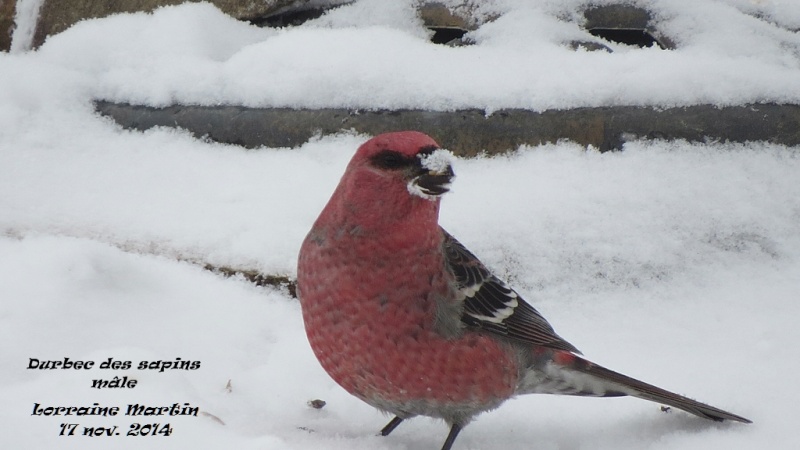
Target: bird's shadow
[
  {"x": 548, "y": 433},
  {"x": 566, "y": 435}
]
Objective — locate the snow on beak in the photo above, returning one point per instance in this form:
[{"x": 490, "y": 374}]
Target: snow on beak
[{"x": 434, "y": 176}]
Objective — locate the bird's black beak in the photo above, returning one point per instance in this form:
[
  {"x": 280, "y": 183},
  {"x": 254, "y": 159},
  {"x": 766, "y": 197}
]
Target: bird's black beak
[
  {"x": 435, "y": 183},
  {"x": 432, "y": 175}
]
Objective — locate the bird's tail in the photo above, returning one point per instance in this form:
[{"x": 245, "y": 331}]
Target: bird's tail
[{"x": 578, "y": 376}]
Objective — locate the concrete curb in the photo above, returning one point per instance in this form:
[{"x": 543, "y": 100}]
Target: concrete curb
[{"x": 470, "y": 132}]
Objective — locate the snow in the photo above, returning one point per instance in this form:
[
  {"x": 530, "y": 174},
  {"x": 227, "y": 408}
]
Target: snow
[
  {"x": 521, "y": 60},
  {"x": 26, "y": 13},
  {"x": 675, "y": 263},
  {"x": 438, "y": 160}
]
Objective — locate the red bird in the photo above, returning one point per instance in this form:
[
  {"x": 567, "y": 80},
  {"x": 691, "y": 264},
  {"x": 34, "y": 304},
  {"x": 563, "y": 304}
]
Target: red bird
[{"x": 405, "y": 318}]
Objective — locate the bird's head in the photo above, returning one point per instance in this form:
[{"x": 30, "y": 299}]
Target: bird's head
[
  {"x": 392, "y": 178},
  {"x": 410, "y": 158}
]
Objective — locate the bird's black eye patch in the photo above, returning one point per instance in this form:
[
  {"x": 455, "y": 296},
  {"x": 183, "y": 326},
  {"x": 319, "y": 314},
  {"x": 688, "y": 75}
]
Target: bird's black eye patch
[
  {"x": 427, "y": 150},
  {"x": 391, "y": 160}
]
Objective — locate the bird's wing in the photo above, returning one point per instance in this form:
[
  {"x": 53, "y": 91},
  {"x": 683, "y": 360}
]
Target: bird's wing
[{"x": 491, "y": 305}]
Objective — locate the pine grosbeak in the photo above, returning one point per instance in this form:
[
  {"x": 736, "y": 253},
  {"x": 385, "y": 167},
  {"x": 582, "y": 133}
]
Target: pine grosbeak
[{"x": 405, "y": 318}]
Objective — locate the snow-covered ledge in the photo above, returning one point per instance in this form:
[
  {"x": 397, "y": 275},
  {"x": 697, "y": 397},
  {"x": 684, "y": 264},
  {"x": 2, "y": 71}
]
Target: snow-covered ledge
[{"x": 470, "y": 132}]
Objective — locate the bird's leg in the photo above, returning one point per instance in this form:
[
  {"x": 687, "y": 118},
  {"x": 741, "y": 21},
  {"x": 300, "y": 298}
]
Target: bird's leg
[
  {"x": 454, "y": 430},
  {"x": 391, "y": 426}
]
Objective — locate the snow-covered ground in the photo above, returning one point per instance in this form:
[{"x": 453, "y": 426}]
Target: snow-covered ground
[{"x": 676, "y": 263}]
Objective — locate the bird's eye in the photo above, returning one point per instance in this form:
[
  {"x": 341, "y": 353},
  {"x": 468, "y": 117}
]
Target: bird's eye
[{"x": 390, "y": 160}]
